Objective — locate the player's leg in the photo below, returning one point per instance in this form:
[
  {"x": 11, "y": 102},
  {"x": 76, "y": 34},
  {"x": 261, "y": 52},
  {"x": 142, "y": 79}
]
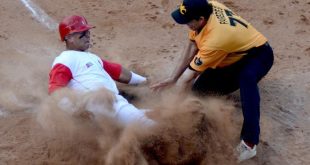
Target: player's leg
[
  {"x": 259, "y": 62},
  {"x": 127, "y": 113}
]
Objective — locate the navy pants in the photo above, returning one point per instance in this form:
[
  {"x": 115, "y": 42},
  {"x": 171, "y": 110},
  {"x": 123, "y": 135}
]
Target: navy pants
[{"x": 243, "y": 75}]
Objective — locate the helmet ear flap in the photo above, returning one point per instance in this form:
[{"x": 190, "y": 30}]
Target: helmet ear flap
[{"x": 64, "y": 30}]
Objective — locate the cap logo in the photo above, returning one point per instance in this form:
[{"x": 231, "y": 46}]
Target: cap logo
[{"x": 182, "y": 9}]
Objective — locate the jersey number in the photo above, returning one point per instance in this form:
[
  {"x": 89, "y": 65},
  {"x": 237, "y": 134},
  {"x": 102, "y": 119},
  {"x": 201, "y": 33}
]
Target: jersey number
[{"x": 233, "y": 20}]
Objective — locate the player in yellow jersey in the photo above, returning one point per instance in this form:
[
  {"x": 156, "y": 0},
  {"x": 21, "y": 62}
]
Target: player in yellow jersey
[{"x": 224, "y": 53}]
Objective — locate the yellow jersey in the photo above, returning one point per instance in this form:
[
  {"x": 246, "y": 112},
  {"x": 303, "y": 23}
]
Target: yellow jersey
[{"x": 224, "y": 39}]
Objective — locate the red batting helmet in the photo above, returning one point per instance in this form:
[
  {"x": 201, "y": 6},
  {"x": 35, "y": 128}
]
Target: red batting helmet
[{"x": 71, "y": 25}]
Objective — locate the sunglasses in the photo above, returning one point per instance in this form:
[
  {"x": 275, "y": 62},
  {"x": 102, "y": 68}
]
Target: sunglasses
[{"x": 84, "y": 33}]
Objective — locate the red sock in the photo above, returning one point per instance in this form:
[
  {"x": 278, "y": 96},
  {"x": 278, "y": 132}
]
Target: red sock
[{"x": 251, "y": 145}]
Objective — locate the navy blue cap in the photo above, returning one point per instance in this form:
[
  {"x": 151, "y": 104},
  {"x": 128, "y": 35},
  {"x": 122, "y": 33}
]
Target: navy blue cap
[{"x": 189, "y": 10}]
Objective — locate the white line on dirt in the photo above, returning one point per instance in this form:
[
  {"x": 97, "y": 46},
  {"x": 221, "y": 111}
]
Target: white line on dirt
[{"x": 40, "y": 15}]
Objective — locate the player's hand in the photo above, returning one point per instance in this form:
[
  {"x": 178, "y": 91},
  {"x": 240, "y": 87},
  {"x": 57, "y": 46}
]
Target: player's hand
[{"x": 161, "y": 85}]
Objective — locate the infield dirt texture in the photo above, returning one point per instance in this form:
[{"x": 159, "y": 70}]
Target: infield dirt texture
[{"x": 141, "y": 35}]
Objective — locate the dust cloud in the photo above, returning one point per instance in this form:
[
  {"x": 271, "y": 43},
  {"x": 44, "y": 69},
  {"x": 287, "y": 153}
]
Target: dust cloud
[
  {"x": 188, "y": 129},
  {"x": 23, "y": 81}
]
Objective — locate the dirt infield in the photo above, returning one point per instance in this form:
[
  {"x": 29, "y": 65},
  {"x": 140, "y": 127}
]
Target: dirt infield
[{"x": 142, "y": 36}]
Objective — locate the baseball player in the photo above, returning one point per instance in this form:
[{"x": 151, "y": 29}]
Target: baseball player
[
  {"x": 224, "y": 53},
  {"x": 84, "y": 71}
]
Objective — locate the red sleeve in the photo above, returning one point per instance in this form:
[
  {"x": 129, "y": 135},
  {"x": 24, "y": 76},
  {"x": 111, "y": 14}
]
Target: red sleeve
[
  {"x": 113, "y": 69},
  {"x": 60, "y": 76}
]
